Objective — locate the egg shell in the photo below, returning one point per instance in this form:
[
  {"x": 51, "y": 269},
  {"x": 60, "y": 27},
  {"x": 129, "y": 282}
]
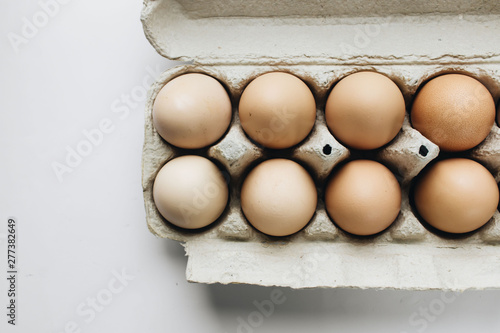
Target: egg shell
[
  {"x": 455, "y": 111},
  {"x": 277, "y": 110},
  {"x": 456, "y": 195},
  {"x": 365, "y": 110},
  {"x": 190, "y": 192},
  {"x": 192, "y": 111},
  {"x": 363, "y": 197},
  {"x": 278, "y": 197}
]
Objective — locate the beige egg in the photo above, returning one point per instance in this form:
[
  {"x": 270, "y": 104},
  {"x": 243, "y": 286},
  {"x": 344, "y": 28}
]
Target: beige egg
[
  {"x": 192, "y": 111},
  {"x": 190, "y": 192},
  {"x": 278, "y": 197},
  {"x": 454, "y": 111},
  {"x": 365, "y": 110},
  {"x": 456, "y": 195},
  {"x": 277, "y": 110},
  {"x": 363, "y": 197}
]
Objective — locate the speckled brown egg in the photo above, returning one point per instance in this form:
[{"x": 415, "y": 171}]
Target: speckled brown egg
[{"x": 454, "y": 111}]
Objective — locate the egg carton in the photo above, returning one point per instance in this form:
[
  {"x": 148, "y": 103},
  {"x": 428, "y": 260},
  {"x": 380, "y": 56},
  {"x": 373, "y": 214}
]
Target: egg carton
[{"x": 406, "y": 255}]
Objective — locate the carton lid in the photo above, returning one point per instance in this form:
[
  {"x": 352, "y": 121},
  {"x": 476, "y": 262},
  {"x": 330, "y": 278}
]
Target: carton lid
[{"x": 324, "y": 31}]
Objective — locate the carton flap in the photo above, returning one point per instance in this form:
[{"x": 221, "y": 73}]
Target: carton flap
[{"x": 322, "y": 32}]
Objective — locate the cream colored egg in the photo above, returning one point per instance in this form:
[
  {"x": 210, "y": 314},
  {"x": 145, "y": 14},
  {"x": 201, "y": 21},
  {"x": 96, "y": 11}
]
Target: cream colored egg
[
  {"x": 456, "y": 195},
  {"x": 277, "y": 110},
  {"x": 192, "y": 111},
  {"x": 190, "y": 192},
  {"x": 278, "y": 197},
  {"x": 363, "y": 197},
  {"x": 365, "y": 110}
]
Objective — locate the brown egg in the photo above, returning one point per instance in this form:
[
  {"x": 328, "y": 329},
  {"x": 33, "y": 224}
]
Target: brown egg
[
  {"x": 190, "y": 192},
  {"x": 365, "y": 110},
  {"x": 278, "y": 197},
  {"x": 277, "y": 110},
  {"x": 454, "y": 111},
  {"x": 456, "y": 195},
  {"x": 192, "y": 111},
  {"x": 363, "y": 197}
]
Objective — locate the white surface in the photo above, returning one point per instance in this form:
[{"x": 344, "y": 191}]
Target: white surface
[{"x": 73, "y": 234}]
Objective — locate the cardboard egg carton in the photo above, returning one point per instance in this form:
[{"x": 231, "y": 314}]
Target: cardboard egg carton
[{"x": 236, "y": 41}]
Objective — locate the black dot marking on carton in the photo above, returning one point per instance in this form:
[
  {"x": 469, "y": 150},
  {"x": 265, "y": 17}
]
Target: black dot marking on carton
[
  {"x": 423, "y": 150},
  {"x": 327, "y": 149}
]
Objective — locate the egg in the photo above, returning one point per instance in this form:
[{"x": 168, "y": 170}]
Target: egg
[
  {"x": 456, "y": 195},
  {"x": 278, "y": 197},
  {"x": 365, "y": 110},
  {"x": 454, "y": 111},
  {"x": 363, "y": 197},
  {"x": 190, "y": 192},
  {"x": 192, "y": 111},
  {"x": 277, "y": 110}
]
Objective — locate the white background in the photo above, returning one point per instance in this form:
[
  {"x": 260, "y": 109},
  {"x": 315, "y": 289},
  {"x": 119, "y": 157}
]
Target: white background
[{"x": 75, "y": 235}]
